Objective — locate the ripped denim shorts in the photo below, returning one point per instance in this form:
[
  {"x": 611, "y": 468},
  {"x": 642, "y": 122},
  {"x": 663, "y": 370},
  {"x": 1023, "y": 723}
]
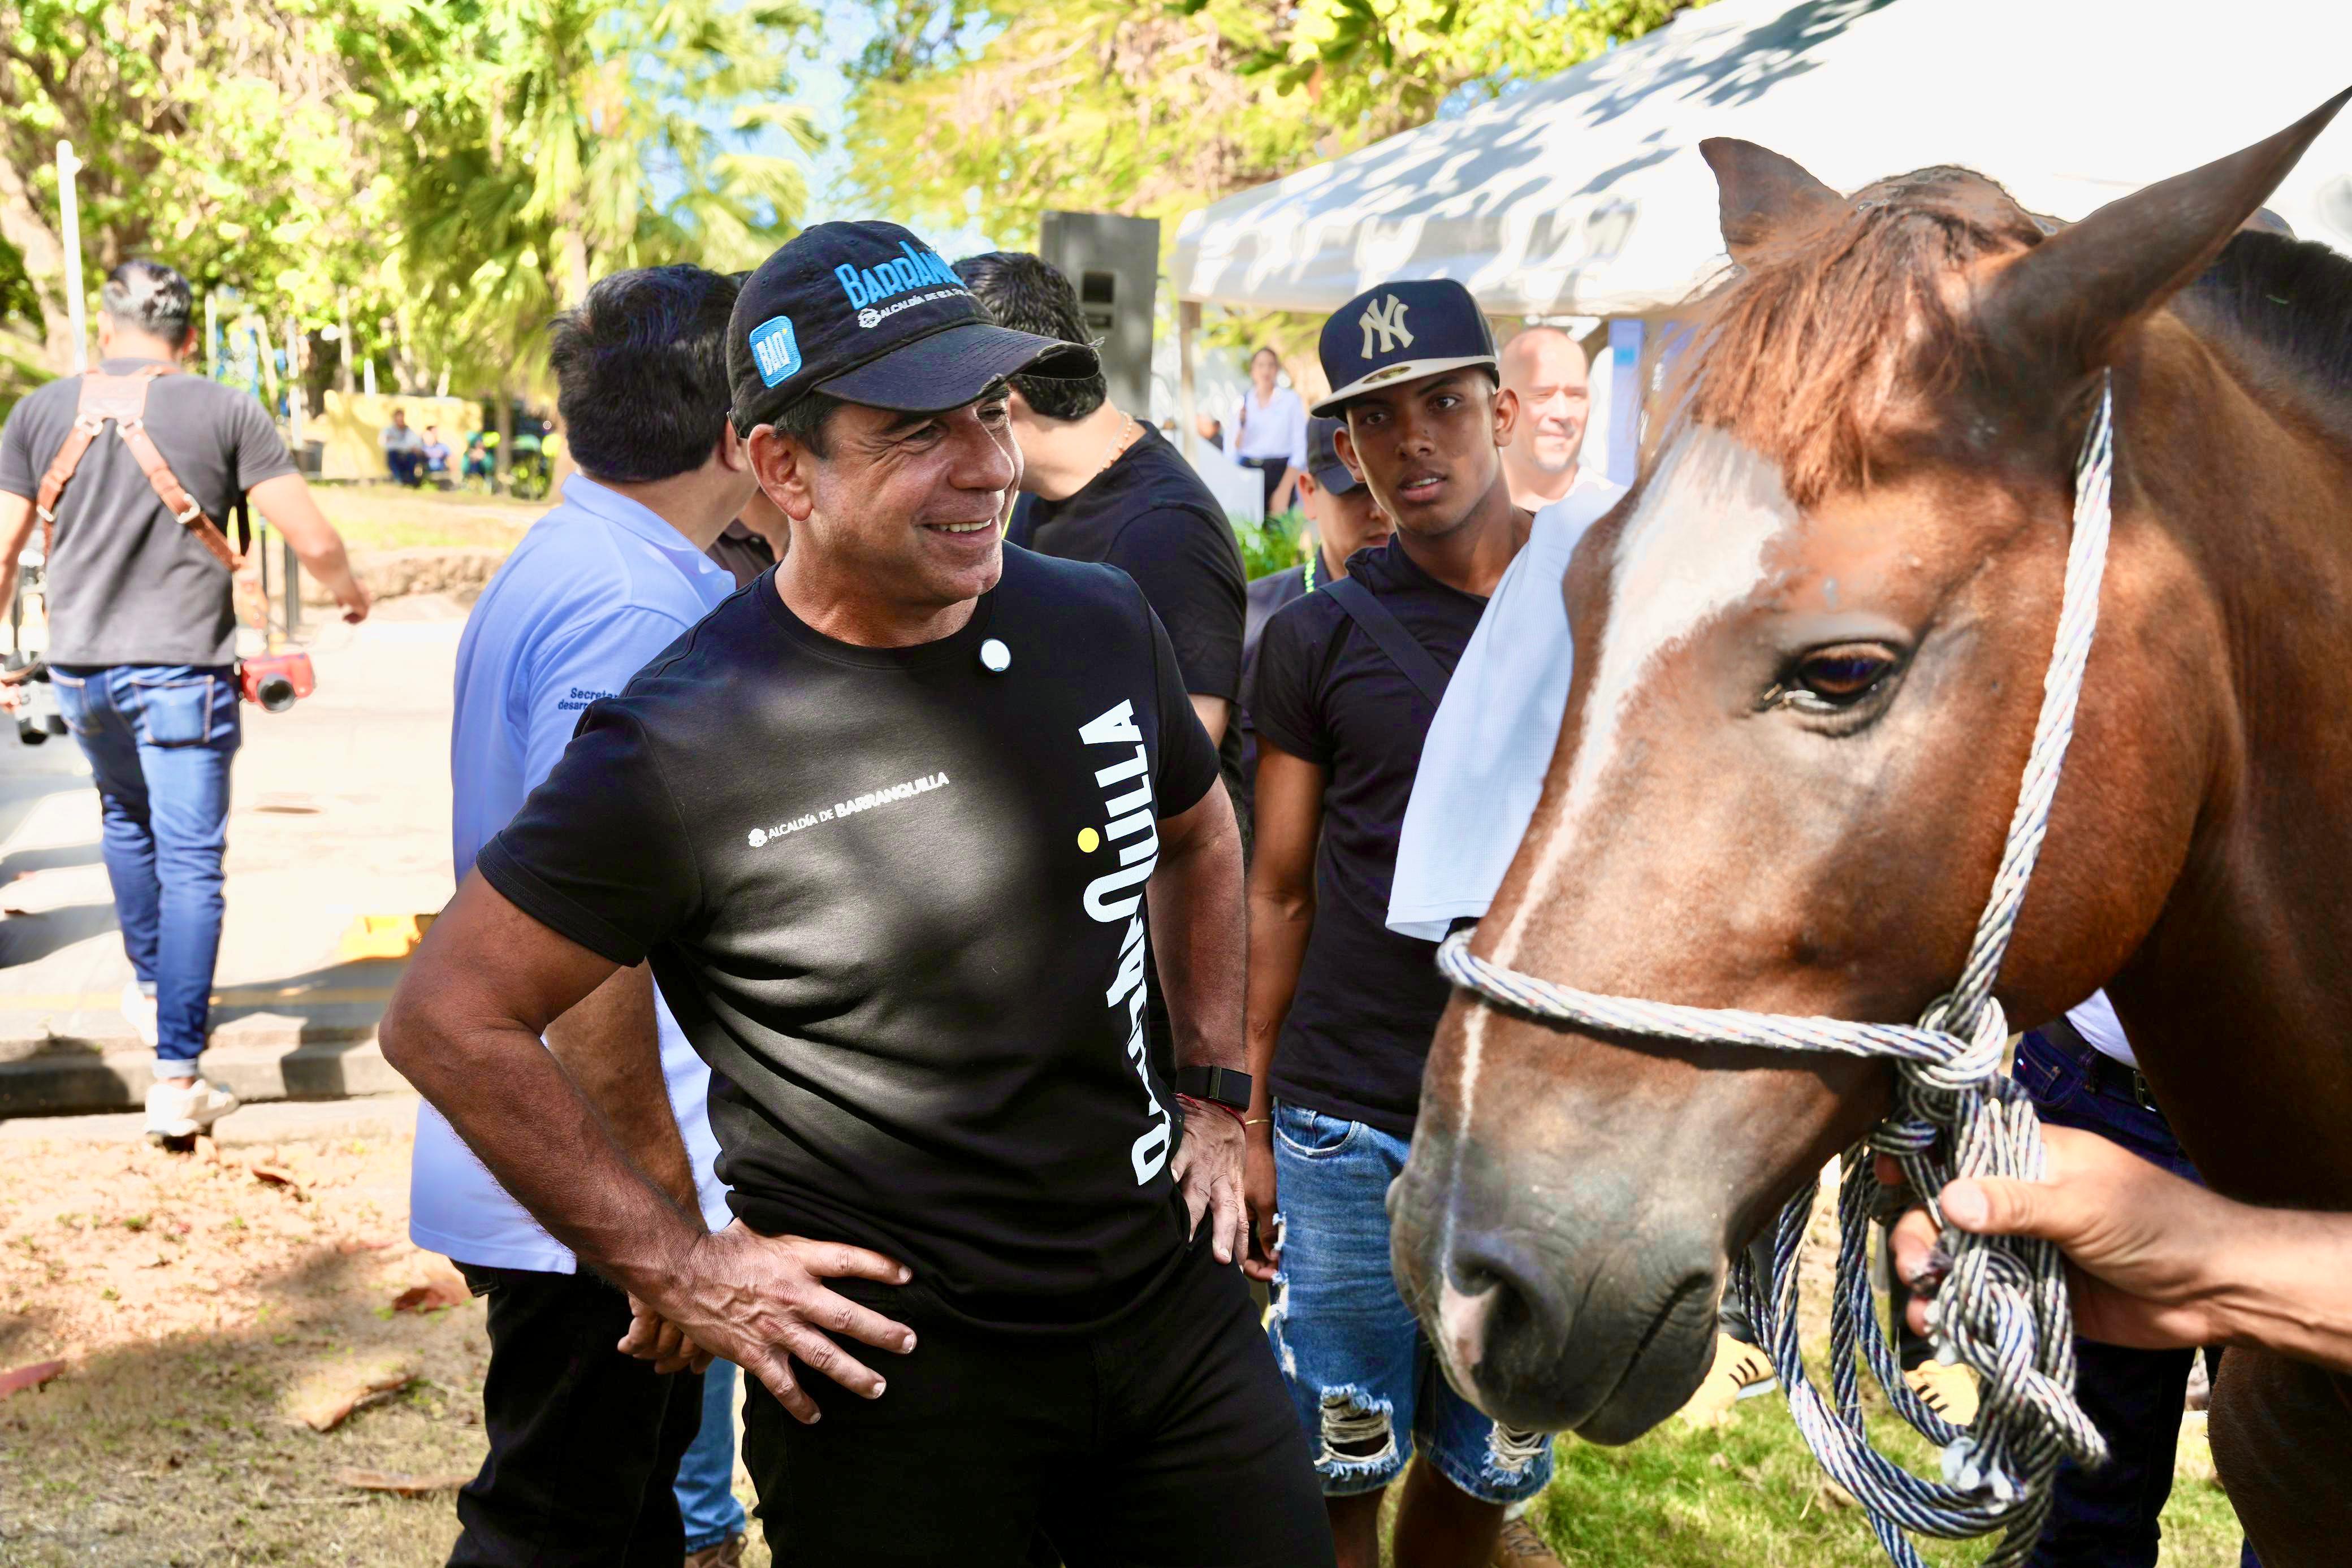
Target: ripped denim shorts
[{"x": 1362, "y": 1376}]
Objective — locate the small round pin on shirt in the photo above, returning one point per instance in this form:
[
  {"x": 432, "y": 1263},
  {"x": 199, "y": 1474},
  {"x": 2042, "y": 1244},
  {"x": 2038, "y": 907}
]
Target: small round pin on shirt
[{"x": 995, "y": 657}]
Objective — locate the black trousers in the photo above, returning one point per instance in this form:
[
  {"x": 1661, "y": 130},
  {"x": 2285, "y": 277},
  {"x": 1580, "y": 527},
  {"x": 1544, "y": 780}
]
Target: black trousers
[
  {"x": 1270, "y": 470},
  {"x": 584, "y": 1441},
  {"x": 1161, "y": 1440}
]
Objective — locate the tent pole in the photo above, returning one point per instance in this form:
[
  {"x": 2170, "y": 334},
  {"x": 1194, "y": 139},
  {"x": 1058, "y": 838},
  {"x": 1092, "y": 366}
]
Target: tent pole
[{"x": 1188, "y": 323}]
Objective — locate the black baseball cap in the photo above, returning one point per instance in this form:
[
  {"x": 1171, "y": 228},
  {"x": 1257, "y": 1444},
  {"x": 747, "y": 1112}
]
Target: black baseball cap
[
  {"x": 1323, "y": 458},
  {"x": 1401, "y": 332},
  {"x": 867, "y": 313}
]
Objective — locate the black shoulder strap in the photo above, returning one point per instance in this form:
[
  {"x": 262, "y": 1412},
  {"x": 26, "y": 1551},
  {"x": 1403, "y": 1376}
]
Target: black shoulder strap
[{"x": 1364, "y": 608}]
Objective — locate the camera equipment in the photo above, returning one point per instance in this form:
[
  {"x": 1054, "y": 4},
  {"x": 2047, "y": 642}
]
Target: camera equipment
[
  {"x": 275, "y": 680},
  {"x": 37, "y": 717}
]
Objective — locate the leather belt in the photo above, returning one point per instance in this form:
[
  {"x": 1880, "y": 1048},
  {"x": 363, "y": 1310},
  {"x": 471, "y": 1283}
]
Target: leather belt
[{"x": 2107, "y": 1076}]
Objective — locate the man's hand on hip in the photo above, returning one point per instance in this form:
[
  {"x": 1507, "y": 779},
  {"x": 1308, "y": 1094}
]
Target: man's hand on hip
[
  {"x": 1260, "y": 1204},
  {"x": 760, "y": 1302},
  {"x": 1207, "y": 1167}
]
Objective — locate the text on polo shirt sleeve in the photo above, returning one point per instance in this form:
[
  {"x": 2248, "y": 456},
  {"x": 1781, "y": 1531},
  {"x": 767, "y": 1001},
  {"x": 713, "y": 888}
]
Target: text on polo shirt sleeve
[{"x": 589, "y": 663}]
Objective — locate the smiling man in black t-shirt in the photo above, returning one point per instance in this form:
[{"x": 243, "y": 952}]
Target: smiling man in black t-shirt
[
  {"x": 1341, "y": 1009},
  {"x": 886, "y": 823}
]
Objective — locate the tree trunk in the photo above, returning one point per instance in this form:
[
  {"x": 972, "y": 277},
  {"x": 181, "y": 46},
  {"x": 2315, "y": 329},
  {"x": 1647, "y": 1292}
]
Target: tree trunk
[
  {"x": 506, "y": 434},
  {"x": 571, "y": 250},
  {"x": 24, "y": 225}
]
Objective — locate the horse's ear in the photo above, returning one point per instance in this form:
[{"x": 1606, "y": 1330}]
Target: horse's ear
[
  {"x": 2076, "y": 293},
  {"x": 1762, "y": 193}
]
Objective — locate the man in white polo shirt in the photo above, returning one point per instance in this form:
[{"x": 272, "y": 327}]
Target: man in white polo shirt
[{"x": 585, "y": 1441}]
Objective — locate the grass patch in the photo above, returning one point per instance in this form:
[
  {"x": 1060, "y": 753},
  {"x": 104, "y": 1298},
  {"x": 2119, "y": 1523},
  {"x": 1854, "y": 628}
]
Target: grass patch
[
  {"x": 386, "y": 517},
  {"x": 1747, "y": 1494}
]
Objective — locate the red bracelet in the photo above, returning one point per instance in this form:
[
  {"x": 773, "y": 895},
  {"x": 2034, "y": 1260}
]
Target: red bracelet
[{"x": 1213, "y": 1105}]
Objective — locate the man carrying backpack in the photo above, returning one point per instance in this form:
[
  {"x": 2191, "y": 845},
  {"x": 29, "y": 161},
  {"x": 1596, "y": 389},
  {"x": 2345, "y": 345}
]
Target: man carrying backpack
[{"x": 127, "y": 471}]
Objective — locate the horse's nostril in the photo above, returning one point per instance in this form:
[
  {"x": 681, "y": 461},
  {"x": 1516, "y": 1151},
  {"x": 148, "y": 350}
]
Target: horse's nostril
[{"x": 1494, "y": 1288}]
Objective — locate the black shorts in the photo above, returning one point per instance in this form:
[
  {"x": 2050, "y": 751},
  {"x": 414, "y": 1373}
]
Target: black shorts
[{"x": 1161, "y": 1440}]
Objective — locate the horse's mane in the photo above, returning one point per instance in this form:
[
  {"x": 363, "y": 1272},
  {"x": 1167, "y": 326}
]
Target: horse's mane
[
  {"x": 1799, "y": 354},
  {"x": 2290, "y": 298}
]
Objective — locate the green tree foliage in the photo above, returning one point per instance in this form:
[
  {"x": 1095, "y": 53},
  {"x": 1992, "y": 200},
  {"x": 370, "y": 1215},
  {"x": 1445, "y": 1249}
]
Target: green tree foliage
[
  {"x": 442, "y": 173},
  {"x": 537, "y": 143},
  {"x": 217, "y": 137},
  {"x": 999, "y": 110}
]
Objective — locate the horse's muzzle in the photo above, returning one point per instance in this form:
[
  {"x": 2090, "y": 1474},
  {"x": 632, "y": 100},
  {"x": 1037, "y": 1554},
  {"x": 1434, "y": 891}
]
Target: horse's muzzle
[{"x": 1551, "y": 1319}]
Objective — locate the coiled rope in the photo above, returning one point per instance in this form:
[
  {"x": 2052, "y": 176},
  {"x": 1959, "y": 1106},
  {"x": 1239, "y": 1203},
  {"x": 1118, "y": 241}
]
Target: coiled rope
[{"x": 2001, "y": 1309}]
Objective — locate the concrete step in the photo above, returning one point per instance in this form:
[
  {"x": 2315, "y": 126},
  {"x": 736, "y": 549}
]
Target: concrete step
[{"x": 287, "y": 1060}]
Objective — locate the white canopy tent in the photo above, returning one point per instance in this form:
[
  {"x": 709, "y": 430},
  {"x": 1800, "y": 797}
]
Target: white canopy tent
[{"x": 1585, "y": 195}]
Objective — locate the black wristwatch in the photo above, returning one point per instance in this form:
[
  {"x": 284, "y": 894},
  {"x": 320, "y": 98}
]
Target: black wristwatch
[{"x": 1219, "y": 1085}]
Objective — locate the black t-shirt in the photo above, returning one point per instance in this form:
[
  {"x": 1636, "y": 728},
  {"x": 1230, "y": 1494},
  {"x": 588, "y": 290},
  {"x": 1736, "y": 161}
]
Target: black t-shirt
[
  {"x": 1266, "y": 595},
  {"x": 128, "y": 583},
  {"x": 1150, "y": 515},
  {"x": 1368, "y": 1000},
  {"x": 895, "y": 900}
]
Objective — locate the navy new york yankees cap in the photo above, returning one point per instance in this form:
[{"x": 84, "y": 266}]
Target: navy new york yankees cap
[
  {"x": 1401, "y": 332},
  {"x": 868, "y": 313}
]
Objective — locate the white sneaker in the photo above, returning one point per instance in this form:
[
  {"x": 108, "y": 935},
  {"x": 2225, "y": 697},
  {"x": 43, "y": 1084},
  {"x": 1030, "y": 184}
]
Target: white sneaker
[
  {"x": 176, "y": 1113},
  {"x": 140, "y": 1009}
]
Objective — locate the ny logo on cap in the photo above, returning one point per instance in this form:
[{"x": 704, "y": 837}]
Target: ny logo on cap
[{"x": 1384, "y": 317}]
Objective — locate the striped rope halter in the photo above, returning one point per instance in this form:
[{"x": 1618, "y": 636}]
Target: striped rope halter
[{"x": 2001, "y": 1309}]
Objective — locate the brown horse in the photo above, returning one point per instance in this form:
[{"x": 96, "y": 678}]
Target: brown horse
[{"x": 1810, "y": 646}]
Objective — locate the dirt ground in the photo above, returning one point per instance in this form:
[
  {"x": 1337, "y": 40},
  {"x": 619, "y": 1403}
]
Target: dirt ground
[
  {"x": 203, "y": 1307},
  {"x": 201, "y": 1310}
]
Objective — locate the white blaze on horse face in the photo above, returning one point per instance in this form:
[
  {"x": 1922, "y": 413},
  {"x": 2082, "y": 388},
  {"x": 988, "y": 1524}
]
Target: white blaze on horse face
[{"x": 1694, "y": 549}]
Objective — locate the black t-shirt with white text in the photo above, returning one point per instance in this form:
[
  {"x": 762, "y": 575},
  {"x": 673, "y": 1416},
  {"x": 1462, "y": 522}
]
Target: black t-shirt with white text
[
  {"x": 895, "y": 900},
  {"x": 1368, "y": 1000}
]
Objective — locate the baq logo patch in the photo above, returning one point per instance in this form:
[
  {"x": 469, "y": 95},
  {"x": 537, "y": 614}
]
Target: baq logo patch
[{"x": 774, "y": 349}]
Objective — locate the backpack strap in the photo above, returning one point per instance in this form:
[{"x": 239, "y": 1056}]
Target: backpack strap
[
  {"x": 1364, "y": 608},
  {"x": 123, "y": 400}
]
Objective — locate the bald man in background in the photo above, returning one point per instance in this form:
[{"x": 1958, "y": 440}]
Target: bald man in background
[{"x": 1546, "y": 368}]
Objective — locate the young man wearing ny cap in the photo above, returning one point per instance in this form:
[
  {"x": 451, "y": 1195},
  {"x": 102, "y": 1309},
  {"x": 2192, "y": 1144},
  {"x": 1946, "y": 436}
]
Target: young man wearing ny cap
[
  {"x": 1341, "y": 1010},
  {"x": 886, "y": 823}
]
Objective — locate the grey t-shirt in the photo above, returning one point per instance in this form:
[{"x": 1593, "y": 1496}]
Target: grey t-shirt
[{"x": 128, "y": 583}]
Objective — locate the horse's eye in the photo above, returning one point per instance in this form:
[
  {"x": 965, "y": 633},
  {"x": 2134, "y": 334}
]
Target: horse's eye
[{"x": 1842, "y": 677}]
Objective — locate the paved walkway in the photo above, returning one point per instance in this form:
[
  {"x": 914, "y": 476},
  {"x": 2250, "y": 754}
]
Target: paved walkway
[{"x": 340, "y": 811}]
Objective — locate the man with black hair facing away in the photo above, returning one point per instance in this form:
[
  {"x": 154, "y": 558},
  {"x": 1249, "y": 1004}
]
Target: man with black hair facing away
[
  {"x": 1098, "y": 484},
  {"x": 585, "y": 1441},
  {"x": 886, "y": 822},
  {"x": 1341, "y": 1011},
  {"x": 142, "y": 641}
]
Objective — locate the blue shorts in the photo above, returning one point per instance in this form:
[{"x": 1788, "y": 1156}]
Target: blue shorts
[{"x": 1363, "y": 1380}]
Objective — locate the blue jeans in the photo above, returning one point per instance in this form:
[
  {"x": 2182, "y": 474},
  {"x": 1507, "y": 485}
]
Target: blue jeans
[
  {"x": 1362, "y": 1379},
  {"x": 159, "y": 738},
  {"x": 706, "y": 1475},
  {"x": 2107, "y": 1518}
]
